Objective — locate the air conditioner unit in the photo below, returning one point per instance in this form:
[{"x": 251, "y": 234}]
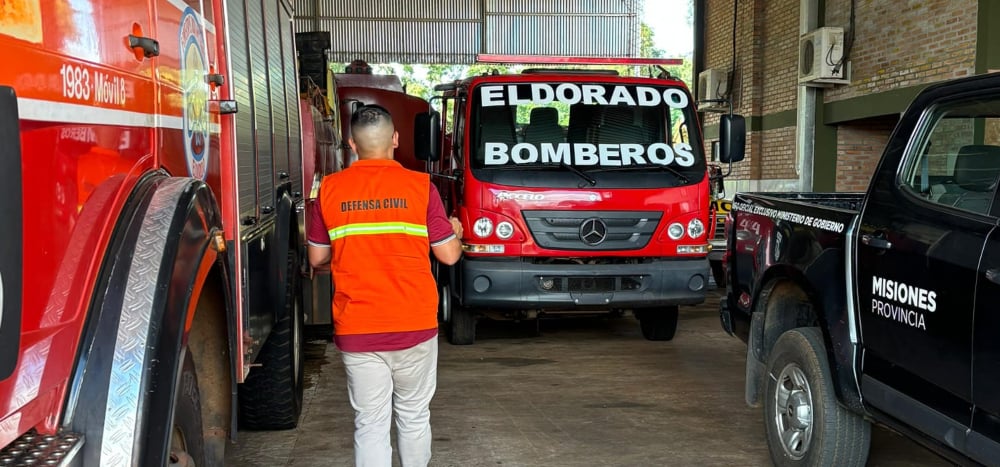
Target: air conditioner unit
[
  {"x": 820, "y": 51},
  {"x": 713, "y": 88}
]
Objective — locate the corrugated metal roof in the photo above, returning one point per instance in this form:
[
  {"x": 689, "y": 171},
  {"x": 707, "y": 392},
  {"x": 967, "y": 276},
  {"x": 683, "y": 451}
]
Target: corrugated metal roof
[
  {"x": 561, "y": 7},
  {"x": 455, "y": 31},
  {"x": 558, "y": 35}
]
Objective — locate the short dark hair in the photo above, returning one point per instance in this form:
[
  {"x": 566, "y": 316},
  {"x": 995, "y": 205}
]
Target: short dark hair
[{"x": 370, "y": 115}]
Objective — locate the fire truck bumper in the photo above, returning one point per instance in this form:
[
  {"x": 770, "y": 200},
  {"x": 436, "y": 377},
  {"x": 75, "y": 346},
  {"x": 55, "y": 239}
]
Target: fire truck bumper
[{"x": 522, "y": 284}]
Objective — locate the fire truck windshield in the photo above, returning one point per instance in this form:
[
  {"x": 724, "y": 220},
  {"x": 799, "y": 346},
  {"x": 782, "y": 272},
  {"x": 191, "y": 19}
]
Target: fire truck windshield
[{"x": 618, "y": 134}]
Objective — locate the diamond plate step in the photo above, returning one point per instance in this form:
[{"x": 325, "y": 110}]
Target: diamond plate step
[{"x": 33, "y": 449}]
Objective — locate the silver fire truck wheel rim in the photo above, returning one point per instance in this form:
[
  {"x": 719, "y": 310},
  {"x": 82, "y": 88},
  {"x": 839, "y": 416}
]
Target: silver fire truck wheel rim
[{"x": 793, "y": 411}]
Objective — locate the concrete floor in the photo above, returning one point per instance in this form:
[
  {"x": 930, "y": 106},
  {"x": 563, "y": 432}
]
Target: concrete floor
[{"x": 585, "y": 392}]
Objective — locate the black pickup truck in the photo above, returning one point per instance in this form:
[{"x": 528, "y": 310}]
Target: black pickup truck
[{"x": 882, "y": 306}]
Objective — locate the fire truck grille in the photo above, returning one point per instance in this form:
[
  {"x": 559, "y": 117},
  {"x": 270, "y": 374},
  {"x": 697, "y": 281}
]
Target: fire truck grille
[
  {"x": 720, "y": 227},
  {"x": 33, "y": 449},
  {"x": 592, "y": 230}
]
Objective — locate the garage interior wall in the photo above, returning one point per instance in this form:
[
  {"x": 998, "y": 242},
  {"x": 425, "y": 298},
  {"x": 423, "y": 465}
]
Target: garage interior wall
[
  {"x": 455, "y": 31},
  {"x": 899, "y": 48}
]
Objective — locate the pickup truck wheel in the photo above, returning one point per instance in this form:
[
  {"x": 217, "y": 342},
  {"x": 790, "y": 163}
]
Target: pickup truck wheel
[
  {"x": 271, "y": 396},
  {"x": 805, "y": 423},
  {"x": 658, "y": 324},
  {"x": 462, "y": 328}
]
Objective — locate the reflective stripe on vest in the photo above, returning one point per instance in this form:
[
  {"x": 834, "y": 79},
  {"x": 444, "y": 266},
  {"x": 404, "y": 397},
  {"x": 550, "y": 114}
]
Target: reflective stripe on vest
[{"x": 378, "y": 228}]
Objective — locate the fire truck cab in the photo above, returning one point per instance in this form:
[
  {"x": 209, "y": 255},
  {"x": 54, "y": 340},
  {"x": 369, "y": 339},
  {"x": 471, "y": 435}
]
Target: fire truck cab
[{"x": 580, "y": 191}]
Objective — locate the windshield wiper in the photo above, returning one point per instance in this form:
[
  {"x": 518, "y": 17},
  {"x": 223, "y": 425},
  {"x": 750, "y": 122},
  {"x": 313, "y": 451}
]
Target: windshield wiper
[
  {"x": 582, "y": 174},
  {"x": 680, "y": 177}
]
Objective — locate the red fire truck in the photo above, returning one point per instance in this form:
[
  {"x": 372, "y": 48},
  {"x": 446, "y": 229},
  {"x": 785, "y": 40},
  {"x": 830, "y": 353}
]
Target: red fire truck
[
  {"x": 150, "y": 156},
  {"x": 579, "y": 190},
  {"x": 359, "y": 86},
  {"x": 347, "y": 91}
]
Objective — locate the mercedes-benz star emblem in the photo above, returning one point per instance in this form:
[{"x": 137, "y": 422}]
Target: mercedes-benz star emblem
[{"x": 593, "y": 231}]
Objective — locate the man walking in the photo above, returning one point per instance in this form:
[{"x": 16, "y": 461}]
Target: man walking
[{"x": 374, "y": 225}]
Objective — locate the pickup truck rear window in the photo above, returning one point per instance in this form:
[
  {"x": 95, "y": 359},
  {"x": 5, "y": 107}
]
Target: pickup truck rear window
[{"x": 956, "y": 162}]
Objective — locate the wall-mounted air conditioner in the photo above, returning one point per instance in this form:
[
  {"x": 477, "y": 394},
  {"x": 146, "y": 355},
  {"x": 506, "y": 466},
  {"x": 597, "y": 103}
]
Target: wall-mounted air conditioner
[
  {"x": 820, "y": 52},
  {"x": 713, "y": 90}
]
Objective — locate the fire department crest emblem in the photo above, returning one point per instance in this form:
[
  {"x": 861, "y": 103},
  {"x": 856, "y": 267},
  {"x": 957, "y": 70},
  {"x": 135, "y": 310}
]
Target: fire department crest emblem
[{"x": 194, "y": 94}]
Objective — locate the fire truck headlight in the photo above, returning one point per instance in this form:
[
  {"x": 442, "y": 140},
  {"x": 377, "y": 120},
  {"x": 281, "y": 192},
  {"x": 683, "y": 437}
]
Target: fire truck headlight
[
  {"x": 505, "y": 230},
  {"x": 675, "y": 231},
  {"x": 483, "y": 227},
  {"x": 696, "y": 228}
]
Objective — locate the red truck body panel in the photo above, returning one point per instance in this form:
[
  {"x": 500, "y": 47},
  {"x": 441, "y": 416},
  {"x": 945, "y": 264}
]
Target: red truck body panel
[
  {"x": 94, "y": 119},
  {"x": 95, "y": 116},
  {"x": 383, "y": 90}
]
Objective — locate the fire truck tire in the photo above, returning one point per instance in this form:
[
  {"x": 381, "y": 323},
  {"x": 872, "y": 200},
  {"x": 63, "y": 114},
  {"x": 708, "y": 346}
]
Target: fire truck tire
[
  {"x": 462, "y": 328},
  {"x": 271, "y": 396},
  {"x": 805, "y": 425},
  {"x": 658, "y": 324},
  {"x": 444, "y": 303},
  {"x": 137, "y": 384},
  {"x": 187, "y": 443}
]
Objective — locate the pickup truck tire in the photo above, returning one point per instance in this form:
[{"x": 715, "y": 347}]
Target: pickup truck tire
[
  {"x": 462, "y": 328},
  {"x": 805, "y": 423},
  {"x": 271, "y": 396},
  {"x": 657, "y": 324}
]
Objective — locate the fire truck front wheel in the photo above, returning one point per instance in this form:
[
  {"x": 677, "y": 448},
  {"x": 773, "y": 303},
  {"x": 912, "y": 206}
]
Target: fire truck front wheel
[
  {"x": 134, "y": 393},
  {"x": 462, "y": 328},
  {"x": 658, "y": 324},
  {"x": 187, "y": 443}
]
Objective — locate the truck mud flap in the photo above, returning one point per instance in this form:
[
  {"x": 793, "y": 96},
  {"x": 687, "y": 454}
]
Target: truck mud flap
[
  {"x": 10, "y": 231},
  {"x": 755, "y": 367}
]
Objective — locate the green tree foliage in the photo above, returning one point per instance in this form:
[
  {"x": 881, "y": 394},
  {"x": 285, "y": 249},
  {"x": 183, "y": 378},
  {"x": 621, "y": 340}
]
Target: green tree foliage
[{"x": 419, "y": 80}]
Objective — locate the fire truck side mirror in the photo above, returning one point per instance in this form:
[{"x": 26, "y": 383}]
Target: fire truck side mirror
[
  {"x": 427, "y": 136},
  {"x": 732, "y": 138}
]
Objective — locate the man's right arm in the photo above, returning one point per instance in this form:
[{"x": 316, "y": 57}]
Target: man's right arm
[
  {"x": 445, "y": 233},
  {"x": 317, "y": 236},
  {"x": 450, "y": 251}
]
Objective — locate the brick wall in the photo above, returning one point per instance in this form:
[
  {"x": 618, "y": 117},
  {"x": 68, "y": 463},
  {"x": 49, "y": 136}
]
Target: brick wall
[
  {"x": 902, "y": 43},
  {"x": 778, "y": 154},
  {"x": 898, "y": 44},
  {"x": 747, "y": 75},
  {"x": 780, "y": 49},
  {"x": 859, "y": 148}
]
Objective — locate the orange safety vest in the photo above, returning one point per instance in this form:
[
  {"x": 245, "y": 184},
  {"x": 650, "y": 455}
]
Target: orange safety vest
[{"x": 376, "y": 214}]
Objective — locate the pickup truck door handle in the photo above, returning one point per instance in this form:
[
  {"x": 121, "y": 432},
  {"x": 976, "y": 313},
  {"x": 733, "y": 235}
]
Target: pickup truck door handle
[
  {"x": 876, "y": 241},
  {"x": 993, "y": 275}
]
